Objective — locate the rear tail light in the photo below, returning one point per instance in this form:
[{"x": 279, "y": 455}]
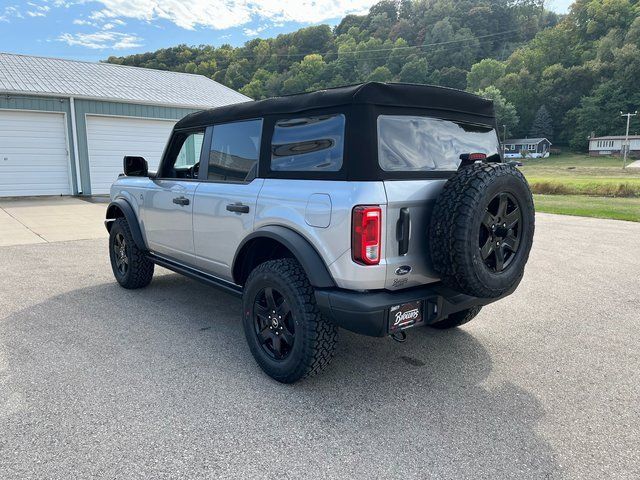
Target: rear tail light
[
  {"x": 365, "y": 235},
  {"x": 475, "y": 157},
  {"x": 469, "y": 158}
]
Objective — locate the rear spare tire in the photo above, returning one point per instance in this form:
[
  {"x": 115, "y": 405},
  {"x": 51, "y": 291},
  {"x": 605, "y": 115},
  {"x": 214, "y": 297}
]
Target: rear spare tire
[{"x": 482, "y": 229}]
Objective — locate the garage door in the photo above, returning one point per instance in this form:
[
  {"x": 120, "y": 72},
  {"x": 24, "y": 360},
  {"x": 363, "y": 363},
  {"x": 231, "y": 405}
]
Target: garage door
[
  {"x": 111, "y": 138},
  {"x": 33, "y": 154}
]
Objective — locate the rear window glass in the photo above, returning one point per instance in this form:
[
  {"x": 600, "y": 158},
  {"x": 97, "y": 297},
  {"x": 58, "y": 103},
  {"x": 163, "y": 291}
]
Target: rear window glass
[
  {"x": 410, "y": 144},
  {"x": 308, "y": 144}
]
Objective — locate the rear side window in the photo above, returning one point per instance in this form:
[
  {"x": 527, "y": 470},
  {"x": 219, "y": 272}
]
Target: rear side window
[
  {"x": 308, "y": 144},
  {"x": 235, "y": 148},
  {"x": 416, "y": 144}
]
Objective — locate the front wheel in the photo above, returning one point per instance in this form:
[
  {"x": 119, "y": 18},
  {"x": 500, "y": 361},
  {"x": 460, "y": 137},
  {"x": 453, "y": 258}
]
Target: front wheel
[
  {"x": 286, "y": 333},
  {"x": 130, "y": 265}
]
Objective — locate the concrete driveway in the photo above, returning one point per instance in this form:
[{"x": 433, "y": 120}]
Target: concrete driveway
[
  {"x": 101, "y": 382},
  {"x": 50, "y": 219}
]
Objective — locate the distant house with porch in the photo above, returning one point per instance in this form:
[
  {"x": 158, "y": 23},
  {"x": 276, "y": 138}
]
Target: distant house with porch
[
  {"x": 612, "y": 145},
  {"x": 527, "y": 147}
]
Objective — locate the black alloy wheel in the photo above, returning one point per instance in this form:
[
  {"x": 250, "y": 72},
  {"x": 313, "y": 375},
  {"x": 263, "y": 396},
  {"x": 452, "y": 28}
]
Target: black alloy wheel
[
  {"x": 273, "y": 323},
  {"x": 285, "y": 331},
  {"x": 499, "y": 237},
  {"x": 121, "y": 253},
  {"x": 481, "y": 230},
  {"x": 131, "y": 266}
]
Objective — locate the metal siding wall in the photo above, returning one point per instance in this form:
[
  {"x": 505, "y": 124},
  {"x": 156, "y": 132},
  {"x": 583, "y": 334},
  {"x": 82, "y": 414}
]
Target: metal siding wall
[
  {"x": 89, "y": 107},
  {"x": 18, "y": 102}
]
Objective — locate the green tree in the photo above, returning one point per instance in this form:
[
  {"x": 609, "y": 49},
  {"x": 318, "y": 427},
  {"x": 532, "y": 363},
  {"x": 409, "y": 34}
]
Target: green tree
[
  {"x": 506, "y": 113},
  {"x": 598, "y": 113},
  {"x": 521, "y": 90},
  {"x": 258, "y": 86},
  {"x": 414, "y": 71},
  {"x": 398, "y": 56},
  {"x": 633, "y": 35},
  {"x": 313, "y": 39},
  {"x": 542, "y": 126},
  {"x": 380, "y": 74},
  {"x": 562, "y": 90},
  {"x": 371, "y": 54},
  {"x": 237, "y": 74},
  {"x": 348, "y": 22},
  {"x": 452, "y": 77},
  {"x": 484, "y": 73},
  {"x": 305, "y": 75}
]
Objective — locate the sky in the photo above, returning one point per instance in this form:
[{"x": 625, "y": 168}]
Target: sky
[{"x": 95, "y": 29}]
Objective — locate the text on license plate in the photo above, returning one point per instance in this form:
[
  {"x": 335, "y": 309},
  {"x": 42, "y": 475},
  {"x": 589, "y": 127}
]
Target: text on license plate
[{"x": 405, "y": 315}]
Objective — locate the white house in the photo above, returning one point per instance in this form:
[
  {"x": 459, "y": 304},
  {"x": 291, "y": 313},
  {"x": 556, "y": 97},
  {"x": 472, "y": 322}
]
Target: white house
[
  {"x": 612, "y": 145},
  {"x": 65, "y": 125}
]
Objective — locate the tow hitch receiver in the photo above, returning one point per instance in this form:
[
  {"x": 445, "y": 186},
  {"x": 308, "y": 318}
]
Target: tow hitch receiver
[
  {"x": 404, "y": 316},
  {"x": 399, "y": 337}
]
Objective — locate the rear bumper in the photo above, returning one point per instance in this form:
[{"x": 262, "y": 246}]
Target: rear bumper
[{"x": 367, "y": 312}]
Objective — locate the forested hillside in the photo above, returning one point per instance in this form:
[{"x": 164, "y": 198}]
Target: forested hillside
[{"x": 559, "y": 76}]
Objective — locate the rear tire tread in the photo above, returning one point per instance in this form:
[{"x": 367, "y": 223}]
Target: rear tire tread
[
  {"x": 320, "y": 345},
  {"x": 455, "y": 209}
]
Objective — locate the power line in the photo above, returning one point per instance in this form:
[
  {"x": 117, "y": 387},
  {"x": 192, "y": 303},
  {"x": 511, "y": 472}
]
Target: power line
[
  {"x": 424, "y": 45},
  {"x": 450, "y": 48}
]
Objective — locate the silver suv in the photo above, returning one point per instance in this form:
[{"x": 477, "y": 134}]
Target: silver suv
[{"x": 375, "y": 208}]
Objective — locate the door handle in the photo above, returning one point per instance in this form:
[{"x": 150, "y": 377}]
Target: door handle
[
  {"x": 238, "y": 208},
  {"x": 181, "y": 201},
  {"x": 403, "y": 231}
]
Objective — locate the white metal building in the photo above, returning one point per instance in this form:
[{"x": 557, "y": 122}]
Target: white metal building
[
  {"x": 612, "y": 145},
  {"x": 65, "y": 125}
]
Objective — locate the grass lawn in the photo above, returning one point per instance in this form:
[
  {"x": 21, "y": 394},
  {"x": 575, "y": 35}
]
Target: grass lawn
[
  {"x": 576, "y": 184},
  {"x": 578, "y": 174},
  {"x": 585, "y": 206}
]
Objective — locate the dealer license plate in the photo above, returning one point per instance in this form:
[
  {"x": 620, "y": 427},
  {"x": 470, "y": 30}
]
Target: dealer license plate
[{"x": 404, "y": 316}]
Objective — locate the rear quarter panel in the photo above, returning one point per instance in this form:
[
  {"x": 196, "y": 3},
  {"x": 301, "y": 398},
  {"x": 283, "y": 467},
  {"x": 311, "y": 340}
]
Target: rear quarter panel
[{"x": 286, "y": 202}]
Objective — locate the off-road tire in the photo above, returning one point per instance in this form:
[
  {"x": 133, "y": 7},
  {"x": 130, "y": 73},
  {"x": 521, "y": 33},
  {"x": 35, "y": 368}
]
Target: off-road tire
[
  {"x": 457, "y": 319},
  {"x": 140, "y": 268},
  {"x": 315, "y": 337},
  {"x": 455, "y": 229}
]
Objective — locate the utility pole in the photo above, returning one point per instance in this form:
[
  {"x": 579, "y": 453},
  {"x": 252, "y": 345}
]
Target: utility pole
[
  {"x": 626, "y": 138},
  {"x": 504, "y": 141}
]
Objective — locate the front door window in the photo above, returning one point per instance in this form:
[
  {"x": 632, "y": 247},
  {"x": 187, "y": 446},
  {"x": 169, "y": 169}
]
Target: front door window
[{"x": 183, "y": 160}]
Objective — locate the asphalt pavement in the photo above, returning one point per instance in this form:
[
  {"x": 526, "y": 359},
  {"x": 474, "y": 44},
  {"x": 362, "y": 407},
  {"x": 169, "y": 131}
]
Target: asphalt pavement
[{"x": 100, "y": 382}]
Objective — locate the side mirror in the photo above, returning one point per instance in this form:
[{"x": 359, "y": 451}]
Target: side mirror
[{"x": 135, "y": 167}]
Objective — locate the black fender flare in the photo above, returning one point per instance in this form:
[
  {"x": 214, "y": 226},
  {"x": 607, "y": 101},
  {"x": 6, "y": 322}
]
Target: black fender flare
[
  {"x": 309, "y": 258},
  {"x": 128, "y": 213}
]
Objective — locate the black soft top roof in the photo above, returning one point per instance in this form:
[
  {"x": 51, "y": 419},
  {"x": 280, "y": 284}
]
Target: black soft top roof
[{"x": 401, "y": 95}]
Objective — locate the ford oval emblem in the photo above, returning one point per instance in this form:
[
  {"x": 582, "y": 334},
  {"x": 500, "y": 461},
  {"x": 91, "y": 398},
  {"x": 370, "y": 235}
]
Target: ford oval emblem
[{"x": 403, "y": 270}]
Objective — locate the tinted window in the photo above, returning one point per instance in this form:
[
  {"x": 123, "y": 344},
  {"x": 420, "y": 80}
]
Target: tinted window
[
  {"x": 407, "y": 143},
  {"x": 308, "y": 144},
  {"x": 189, "y": 153},
  {"x": 183, "y": 155},
  {"x": 235, "y": 149}
]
